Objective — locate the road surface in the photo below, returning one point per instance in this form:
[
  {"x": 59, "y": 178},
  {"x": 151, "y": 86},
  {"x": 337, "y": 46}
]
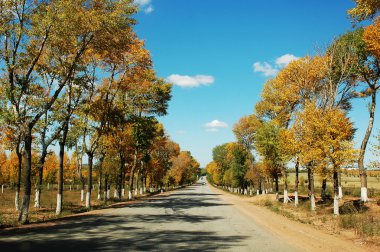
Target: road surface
[{"x": 195, "y": 218}]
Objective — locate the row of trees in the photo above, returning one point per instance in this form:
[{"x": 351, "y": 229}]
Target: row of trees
[
  {"x": 75, "y": 74},
  {"x": 302, "y": 115}
]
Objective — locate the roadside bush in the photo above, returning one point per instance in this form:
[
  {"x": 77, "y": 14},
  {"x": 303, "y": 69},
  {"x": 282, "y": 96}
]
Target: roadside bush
[{"x": 363, "y": 225}]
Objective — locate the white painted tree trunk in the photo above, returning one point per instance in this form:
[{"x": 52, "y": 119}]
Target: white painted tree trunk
[
  {"x": 258, "y": 192},
  {"x": 266, "y": 191},
  {"x": 296, "y": 198},
  {"x": 58, "y": 210},
  {"x": 48, "y": 187},
  {"x": 82, "y": 195},
  {"x": 37, "y": 203},
  {"x": 88, "y": 199},
  {"x": 336, "y": 204},
  {"x": 141, "y": 190},
  {"x": 312, "y": 202},
  {"x": 286, "y": 197},
  {"x": 364, "y": 194},
  {"x": 263, "y": 192},
  {"x": 129, "y": 195},
  {"x": 99, "y": 197},
  {"x": 108, "y": 193},
  {"x": 135, "y": 191},
  {"x": 17, "y": 201},
  {"x": 122, "y": 192},
  {"x": 70, "y": 187},
  {"x": 2, "y": 188},
  {"x": 340, "y": 192}
]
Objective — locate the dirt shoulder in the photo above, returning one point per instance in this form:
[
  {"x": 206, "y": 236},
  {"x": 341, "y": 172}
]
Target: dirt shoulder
[{"x": 303, "y": 236}]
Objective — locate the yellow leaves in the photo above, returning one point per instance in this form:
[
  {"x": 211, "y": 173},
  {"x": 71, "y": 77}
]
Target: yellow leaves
[
  {"x": 245, "y": 129},
  {"x": 293, "y": 85},
  {"x": 364, "y": 9},
  {"x": 324, "y": 136},
  {"x": 372, "y": 37}
]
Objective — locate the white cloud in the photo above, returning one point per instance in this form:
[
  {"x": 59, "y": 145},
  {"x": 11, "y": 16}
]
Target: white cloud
[
  {"x": 269, "y": 70},
  {"x": 215, "y": 125},
  {"x": 149, "y": 9},
  {"x": 186, "y": 81},
  {"x": 284, "y": 60},
  {"x": 145, "y": 6},
  {"x": 264, "y": 68}
]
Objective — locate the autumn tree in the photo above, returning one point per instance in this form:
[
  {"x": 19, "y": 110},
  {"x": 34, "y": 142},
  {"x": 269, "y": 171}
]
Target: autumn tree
[
  {"x": 184, "y": 168},
  {"x": 364, "y": 9},
  {"x": 51, "y": 36},
  {"x": 365, "y": 75},
  {"x": 325, "y": 140},
  {"x": 269, "y": 147}
]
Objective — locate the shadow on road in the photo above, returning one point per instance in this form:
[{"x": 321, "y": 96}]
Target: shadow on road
[{"x": 124, "y": 232}]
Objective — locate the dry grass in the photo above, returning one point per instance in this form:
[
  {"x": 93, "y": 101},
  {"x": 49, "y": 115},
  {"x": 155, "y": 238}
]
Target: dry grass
[
  {"x": 71, "y": 205},
  {"x": 361, "y": 221}
]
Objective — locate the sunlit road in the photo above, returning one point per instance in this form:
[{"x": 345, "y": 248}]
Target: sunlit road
[{"x": 191, "y": 219}]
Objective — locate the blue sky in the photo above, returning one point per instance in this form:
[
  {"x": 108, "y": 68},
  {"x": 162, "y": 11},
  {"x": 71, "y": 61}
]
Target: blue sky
[{"x": 209, "y": 49}]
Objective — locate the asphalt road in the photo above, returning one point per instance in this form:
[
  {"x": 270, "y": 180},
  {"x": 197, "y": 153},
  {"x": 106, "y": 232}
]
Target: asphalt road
[{"x": 191, "y": 219}]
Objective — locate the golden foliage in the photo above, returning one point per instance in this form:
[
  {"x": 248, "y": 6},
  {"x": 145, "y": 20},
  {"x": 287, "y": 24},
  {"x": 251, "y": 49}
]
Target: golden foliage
[
  {"x": 364, "y": 9},
  {"x": 372, "y": 37}
]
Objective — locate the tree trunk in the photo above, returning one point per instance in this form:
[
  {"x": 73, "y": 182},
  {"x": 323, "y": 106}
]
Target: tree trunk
[
  {"x": 312, "y": 195},
  {"x": 336, "y": 192},
  {"x": 340, "y": 191},
  {"x": 141, "y": 177},
  {"x": 61, "y": 163},
  {"x": 105, "y": 189},
  {"x": 82, "y": 189},
  {"x": 120, "y": 179},
  {"x": 23, "y": 216},
  {"x": 276, "y": 183},
  {"x": 363, "y": 147},
  {"x": 18, "y": 184},
  {"x": 323, "y": 192},
  {"x": 60, "y": 178},
  {"x": 130, "y": 195},
  {"x": 37, "y": 198},
  {"x": 89, "y": 184},
  {"x": 285, "y": 175},
  {"x": 100, "y": 183},
  {"x": 308, "y": 180},
  {"x": 296, "y": 182},
  {"x": 137, "y": 182}
]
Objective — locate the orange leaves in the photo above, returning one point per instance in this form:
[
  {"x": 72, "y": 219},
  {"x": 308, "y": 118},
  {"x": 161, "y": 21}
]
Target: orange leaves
[
  {"x": 183, "y": 167},
  {"x": 372, "y": 37},
  {"x": 51, "y": 168}
]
